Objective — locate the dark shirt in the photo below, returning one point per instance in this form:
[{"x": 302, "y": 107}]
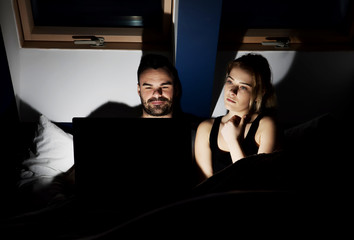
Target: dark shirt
[{"x": 222, "y": 159}]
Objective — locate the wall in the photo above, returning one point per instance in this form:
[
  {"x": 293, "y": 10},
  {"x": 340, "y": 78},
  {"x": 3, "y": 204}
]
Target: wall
[
  {"x": 10, "y": 39},
  {"x": 8, "y": 106},
  {"x": 63, "y": 84}
]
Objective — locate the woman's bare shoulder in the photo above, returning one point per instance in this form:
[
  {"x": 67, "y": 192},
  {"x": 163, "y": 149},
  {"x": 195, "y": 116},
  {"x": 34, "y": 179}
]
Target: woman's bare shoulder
[
  {"x": 206, "y": 125},
  {"x": 267, "y": 122}
]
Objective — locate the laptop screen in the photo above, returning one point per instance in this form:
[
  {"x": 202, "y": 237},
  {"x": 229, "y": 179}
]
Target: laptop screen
[{"x": 134, "y": 162}]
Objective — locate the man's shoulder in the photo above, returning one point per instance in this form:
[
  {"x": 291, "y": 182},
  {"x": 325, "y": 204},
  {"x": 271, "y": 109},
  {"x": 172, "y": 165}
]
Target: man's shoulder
[{"x": 193, "y": 119}]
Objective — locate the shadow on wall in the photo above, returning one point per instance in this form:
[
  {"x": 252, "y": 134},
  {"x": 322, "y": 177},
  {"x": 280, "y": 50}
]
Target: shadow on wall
[
  {"x": 8, "y": 108},
  {"x": 28, "y": 113},
  {"x": 316, "y": 83},
  {"x": 109, "y": 109},
  {"x": 115, "y": 109}
]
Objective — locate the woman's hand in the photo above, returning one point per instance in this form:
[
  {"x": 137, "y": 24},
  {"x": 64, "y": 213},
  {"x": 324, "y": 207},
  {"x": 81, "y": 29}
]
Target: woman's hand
[
  {"x": 233, "y": 129},
  {"x": 233, "y": 132}
]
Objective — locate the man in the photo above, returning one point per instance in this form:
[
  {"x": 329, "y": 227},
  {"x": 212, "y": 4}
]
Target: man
[{"x": 158, "y": 87}]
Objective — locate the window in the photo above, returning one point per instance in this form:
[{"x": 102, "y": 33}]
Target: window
[
  {"x": 112, "y": 24},
  {"x": 295, "y": 25}
]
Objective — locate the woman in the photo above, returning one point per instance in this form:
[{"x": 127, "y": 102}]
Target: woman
[{"x": 249, "y": 126}]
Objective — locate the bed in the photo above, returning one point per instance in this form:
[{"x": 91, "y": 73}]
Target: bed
[{"x": 262, "y": 195}]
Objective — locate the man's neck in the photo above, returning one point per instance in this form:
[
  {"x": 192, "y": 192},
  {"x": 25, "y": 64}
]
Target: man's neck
[{"x": 145, "y": 115}]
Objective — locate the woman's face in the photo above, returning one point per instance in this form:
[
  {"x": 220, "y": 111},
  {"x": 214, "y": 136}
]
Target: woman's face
[{"x": 238, "y": 91}]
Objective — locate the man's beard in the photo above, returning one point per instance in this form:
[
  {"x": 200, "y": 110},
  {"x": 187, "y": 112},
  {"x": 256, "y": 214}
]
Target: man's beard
[{"x": 157, "y": 110}]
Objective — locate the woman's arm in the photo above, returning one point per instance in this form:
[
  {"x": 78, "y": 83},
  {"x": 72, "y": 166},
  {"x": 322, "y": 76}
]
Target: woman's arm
[
  {"x": 202, "y": 148},
  {"x": 267, "y": 135}
]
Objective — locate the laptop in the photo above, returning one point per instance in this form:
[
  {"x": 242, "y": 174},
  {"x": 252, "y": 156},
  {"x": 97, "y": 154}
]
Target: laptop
[{"x": 132, "y": 165}]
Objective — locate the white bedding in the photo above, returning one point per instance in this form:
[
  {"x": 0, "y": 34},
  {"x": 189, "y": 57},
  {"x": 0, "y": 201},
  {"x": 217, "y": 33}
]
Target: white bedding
[{"x": 51, "y": 157}]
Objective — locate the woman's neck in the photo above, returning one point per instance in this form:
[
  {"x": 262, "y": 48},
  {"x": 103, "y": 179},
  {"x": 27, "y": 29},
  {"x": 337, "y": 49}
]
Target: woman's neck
[{"x": 240, "y": 114}]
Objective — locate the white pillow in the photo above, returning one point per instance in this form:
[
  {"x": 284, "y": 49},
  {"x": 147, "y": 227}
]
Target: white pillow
[{"x": 54, "y": 154}]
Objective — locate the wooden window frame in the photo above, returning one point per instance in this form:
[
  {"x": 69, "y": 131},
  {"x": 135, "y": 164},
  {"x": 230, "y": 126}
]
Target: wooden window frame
[
  {"x": 137, "y": 38},
  {"x": 299, "y": 39}
]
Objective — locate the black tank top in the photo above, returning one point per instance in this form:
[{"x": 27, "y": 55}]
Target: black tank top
[{"x": 222, "y": 159}]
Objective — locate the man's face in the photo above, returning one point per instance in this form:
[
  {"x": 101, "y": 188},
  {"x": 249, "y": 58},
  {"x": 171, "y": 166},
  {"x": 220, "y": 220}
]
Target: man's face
[{"x": 156, "y": 93}]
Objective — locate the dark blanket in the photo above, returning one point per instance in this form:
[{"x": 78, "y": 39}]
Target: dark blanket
[
  {"x": 269, "y": 191},
  {"x": 302, "y": 190},
  {"x": 263, "y": 172}
]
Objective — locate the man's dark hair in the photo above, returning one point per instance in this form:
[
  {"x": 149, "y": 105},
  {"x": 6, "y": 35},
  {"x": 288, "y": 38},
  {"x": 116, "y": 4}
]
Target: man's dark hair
[{"x": 156, "y": 61}]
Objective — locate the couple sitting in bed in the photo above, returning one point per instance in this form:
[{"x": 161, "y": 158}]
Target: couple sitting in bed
[{"x": 248, "y": 128}]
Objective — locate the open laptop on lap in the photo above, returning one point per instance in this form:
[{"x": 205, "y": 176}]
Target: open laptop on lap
[{"x": 132, "y": 165}]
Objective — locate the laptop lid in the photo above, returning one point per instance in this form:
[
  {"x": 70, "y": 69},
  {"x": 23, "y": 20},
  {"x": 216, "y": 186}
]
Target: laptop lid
[{"x": 132, "y": 163}]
